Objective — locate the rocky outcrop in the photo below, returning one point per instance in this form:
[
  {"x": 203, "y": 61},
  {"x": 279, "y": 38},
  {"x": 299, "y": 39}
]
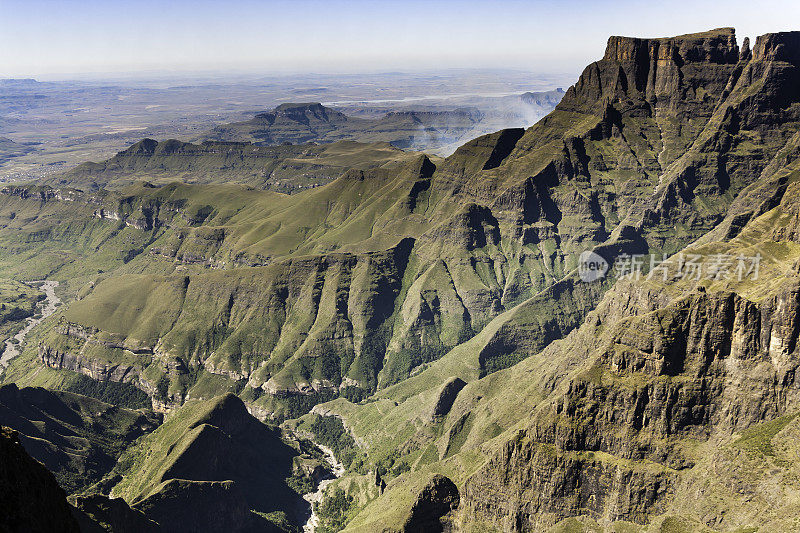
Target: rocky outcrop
[
  {"x": 474, "y": 227},
  {"x": 433, "y": 506},
  {"x": 48, "y": 194},
  {"x": 529, "y": 486},
  {"x": 88, "y": 366}
]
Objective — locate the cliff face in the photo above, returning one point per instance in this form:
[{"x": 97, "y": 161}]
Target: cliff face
[
  {"x": 680, "y": 114},
  {"x": 531, "y": 486},
  {"x": 613, "y": 440},
  {"x": 681, "y": 78},
  {"x": 433, "y": 504},
  {"x": 658, "y": 396}
]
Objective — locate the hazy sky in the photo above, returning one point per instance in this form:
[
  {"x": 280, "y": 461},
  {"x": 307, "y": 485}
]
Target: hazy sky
[{"x": 53, "y": 38}]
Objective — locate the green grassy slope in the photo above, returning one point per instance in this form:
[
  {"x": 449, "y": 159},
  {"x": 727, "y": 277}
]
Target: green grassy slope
[
  {"x": 286, "y": 168},
  {"x": 205, "y": 444},
  {"x": 567, "y": 406}
]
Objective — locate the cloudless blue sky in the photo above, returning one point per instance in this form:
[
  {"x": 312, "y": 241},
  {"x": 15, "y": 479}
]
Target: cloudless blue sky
[{"x": 52, "y": 38}]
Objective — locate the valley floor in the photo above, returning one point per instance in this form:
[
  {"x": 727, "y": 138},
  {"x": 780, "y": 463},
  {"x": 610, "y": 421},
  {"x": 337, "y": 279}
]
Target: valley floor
[{"x": 46, "y": 308}]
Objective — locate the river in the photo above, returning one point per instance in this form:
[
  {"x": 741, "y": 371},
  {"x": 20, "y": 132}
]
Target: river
[
  {"x": 47, "y": 307},
  {"x": 315, "y": 497}
]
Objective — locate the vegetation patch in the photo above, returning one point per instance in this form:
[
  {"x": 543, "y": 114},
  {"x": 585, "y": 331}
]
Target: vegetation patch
[
  {"x": 333, "y": 511},
  {"x": 122, "y": 394},
  {"x": 330, "y": 431},
  {"x": 757, "y": 440}
]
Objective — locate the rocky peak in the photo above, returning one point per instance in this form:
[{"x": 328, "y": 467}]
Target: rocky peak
[
  {"x": 769, "y": 79},
  {"x": 714, "y": 46},
  {"x": 781, "y": 46},
  {"x": 227, "y": 413},
  {"x": 687, "y": 72},
  {"x": 143, "y": 147},
  {"x": 744, "y": 53},
  {"x": 303, "y": 112}
]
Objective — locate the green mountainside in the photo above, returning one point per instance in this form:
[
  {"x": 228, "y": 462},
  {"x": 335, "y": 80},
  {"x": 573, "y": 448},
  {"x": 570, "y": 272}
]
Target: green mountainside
[
  {"x": 426, "y": 319},
  {"x": 210, "y": 466},
  {"x": 287, "y": 169}
]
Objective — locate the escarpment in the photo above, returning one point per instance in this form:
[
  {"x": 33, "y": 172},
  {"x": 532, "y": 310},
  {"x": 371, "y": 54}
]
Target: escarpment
[
  {"x": 666, "y": 391},
  {"x": 618, "y": 435},
  {"x": 613, "y": 439},
  {"x": 438, "y": 308}
]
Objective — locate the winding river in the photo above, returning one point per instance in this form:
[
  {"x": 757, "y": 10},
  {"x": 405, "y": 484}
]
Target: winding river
[{"x": 47, "y": 307}]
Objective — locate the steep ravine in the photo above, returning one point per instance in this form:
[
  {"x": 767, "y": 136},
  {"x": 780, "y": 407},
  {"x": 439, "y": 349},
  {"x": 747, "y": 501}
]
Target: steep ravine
[{"x": 316, "y": 497}]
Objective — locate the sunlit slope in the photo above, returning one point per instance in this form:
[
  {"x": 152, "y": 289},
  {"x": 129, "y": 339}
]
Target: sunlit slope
[
  {"x": 357, "y": 285},
  {"x": 647, "y": 413},
  {"x": 285, "y": 168}
]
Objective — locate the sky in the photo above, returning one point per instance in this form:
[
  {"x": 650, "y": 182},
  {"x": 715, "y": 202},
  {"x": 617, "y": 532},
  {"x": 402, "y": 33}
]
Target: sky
[{"x": 51, "y": 39}]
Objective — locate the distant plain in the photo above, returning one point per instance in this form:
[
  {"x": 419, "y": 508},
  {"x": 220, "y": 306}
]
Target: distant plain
[{"x": 47, "y": 127}]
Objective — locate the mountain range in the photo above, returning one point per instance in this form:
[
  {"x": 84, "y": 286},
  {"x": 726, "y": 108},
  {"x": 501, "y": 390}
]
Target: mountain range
[
  {"x": 432, "y": 130},
  {"x": 429, "y": 320}
]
